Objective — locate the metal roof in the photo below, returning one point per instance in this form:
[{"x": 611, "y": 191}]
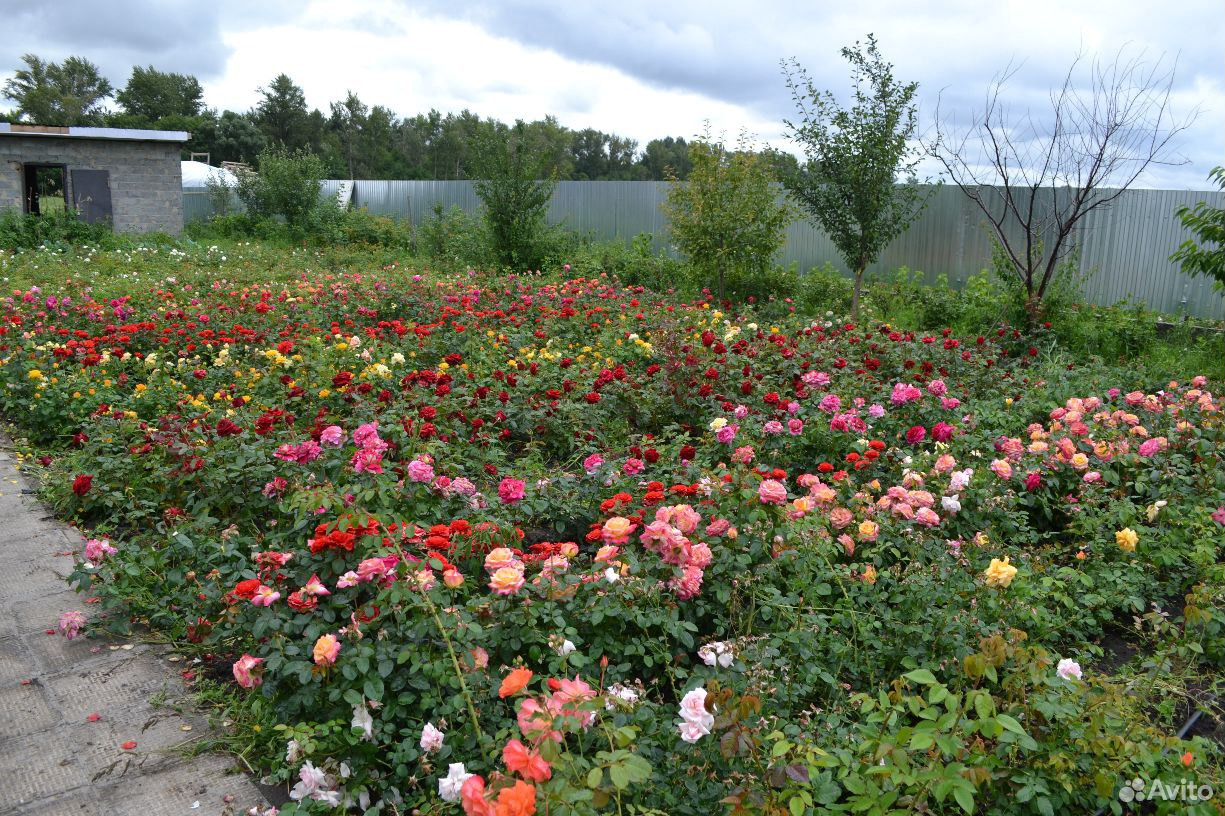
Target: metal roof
[{"x": 112, "y": 134}]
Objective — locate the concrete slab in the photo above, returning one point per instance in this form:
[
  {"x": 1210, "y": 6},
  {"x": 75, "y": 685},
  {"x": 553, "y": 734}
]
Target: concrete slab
[
  {"x": 53, "y": 760},
  {"x": 25, "y": 710}
]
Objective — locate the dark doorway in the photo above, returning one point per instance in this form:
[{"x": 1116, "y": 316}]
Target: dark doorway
[
  {"x": 91, "y": 195},
  {"x": 45, "y": 190}
]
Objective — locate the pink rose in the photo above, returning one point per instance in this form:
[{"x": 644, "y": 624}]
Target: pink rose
[
  {"x": 420, "y": 471},
  {"x": 249, "y": 671},
  {"x": 512, "y": 491},
  {"x": 772, "y": 491},
  {"x": 333, "y": 436}
]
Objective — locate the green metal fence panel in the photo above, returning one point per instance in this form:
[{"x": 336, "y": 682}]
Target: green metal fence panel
[{"x": 1124, "y": 249}]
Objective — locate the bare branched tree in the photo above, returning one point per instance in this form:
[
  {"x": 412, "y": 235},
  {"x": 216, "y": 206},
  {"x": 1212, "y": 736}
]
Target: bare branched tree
[{"x": 1036, "y": 177}]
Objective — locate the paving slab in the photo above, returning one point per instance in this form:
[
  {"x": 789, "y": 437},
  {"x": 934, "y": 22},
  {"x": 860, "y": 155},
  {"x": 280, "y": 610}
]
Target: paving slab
[{"x": 55, "y": 760}]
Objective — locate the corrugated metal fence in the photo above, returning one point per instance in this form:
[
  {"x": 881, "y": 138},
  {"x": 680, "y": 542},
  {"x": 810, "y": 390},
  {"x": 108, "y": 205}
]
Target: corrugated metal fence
[{"x": 1124, "y": 249}]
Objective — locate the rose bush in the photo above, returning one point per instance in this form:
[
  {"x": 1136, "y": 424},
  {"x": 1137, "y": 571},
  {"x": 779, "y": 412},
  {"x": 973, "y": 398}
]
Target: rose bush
[{"x": 516, "y": 545}]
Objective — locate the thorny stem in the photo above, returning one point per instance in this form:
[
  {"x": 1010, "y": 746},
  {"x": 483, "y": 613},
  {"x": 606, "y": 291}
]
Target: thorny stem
[{"x": 459, "y": 673}]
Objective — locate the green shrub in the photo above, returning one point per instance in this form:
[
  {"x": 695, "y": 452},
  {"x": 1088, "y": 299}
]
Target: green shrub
[
  {"x": 453, "y": 238},
  {"x": 23, "y": 231},
  {"x": 726, "y": 219},
  {"x": 286, "y": 187}
]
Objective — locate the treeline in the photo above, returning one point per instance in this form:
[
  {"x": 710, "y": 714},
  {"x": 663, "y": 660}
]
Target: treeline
[{"x": 353, "y": 139}]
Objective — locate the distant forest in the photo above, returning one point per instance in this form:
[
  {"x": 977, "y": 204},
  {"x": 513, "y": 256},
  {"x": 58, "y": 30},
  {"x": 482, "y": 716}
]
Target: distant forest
[{"x": 353, "y": 139}]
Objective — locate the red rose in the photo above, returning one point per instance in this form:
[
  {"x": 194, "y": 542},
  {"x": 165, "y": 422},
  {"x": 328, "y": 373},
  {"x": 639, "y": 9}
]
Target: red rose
[
  {"x": 247, "y": 589},
  {"x": 82, "y": 484},
  {"x": 916, "y": 434}
]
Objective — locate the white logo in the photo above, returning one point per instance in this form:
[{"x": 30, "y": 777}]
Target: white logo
[{"x": 1185, "y": 791}]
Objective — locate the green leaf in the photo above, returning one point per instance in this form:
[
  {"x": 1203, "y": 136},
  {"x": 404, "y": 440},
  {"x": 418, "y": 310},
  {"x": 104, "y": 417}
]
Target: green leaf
[
  {"x": 1010, "y": 724},
  {"x": 921, "y": 676},
  {"x": 620, "y": 776},
  {"x": 594, "y": 777},
  {"x": 965, "y": 798}
]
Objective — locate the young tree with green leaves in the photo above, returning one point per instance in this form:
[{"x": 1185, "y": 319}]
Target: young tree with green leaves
[
  {"x": 1205, "y": 253},
  {"x": 51, "y": 93},
  {"x": 726, "y": 217},
  {"x": 856, "y": 157},
  {"x": 152, "y": 95},
  {"x": 512, "y": 181}
]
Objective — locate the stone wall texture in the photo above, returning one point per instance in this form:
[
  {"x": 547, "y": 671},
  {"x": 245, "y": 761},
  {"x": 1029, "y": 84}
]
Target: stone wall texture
[{"x": 145, "y": 177}]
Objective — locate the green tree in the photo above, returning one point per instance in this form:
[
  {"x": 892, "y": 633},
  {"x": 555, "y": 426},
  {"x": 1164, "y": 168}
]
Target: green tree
[
  {"x": 663, "y": 156},
  {"x": 154, "y": 95},
  {"x": 282, "y": 115},
  {"x": 726, "y": 218},
  {"x": 287, "y": 186},
  {"x": 515, "y": 191},
  {"x": 348, "y": 122},
  {"x": 855, "y": 157},
  {"x": 1204, "y": 254},
  {"x": 50, "y": 93}
]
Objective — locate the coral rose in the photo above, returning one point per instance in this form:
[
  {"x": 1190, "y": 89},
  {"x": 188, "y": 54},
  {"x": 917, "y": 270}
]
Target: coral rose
[{"x": 515, "y": 682}]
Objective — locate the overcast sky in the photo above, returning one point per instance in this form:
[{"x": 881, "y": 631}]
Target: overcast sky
[{"x": 634, "y": 67}]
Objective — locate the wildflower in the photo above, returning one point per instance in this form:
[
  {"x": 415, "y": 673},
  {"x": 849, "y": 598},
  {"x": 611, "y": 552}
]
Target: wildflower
[
  {"x": 431, "y": 739},
  {"x": 1068, "y": 669},
  {"x": 71, "y": 624},
  {"x": 248, "y": 671},
  {"x": 515, "y": 682},
  {"x": 1000, "y": 573},
  {"x": 326, "y": 651},
  {"x": 1127, "y": 539},
  {"x": 449, "y": 786}
]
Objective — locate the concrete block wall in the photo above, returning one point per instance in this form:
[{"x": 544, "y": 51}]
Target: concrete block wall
[{"x": 146, "y": 177}]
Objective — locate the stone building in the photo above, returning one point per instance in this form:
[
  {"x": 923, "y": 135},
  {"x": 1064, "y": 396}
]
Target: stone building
[{"x": 129, "y": 178}]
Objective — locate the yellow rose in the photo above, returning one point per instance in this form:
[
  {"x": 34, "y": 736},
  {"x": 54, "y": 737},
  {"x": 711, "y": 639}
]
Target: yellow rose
[
  {"x": 34, "y": 374},
  {"x": 1127, "y": 539},
  {"x": 1000, "y": 573},
  {"x": 868, "y": 530}
]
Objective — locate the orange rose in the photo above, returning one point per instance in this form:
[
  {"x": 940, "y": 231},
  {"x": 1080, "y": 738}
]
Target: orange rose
[
  {"x": 515, "y": 682},
  {"x": 518, "y": 800}
]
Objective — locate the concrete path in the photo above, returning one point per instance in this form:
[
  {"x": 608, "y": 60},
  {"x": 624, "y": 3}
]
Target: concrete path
[{"x": 55, "y": 758}]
